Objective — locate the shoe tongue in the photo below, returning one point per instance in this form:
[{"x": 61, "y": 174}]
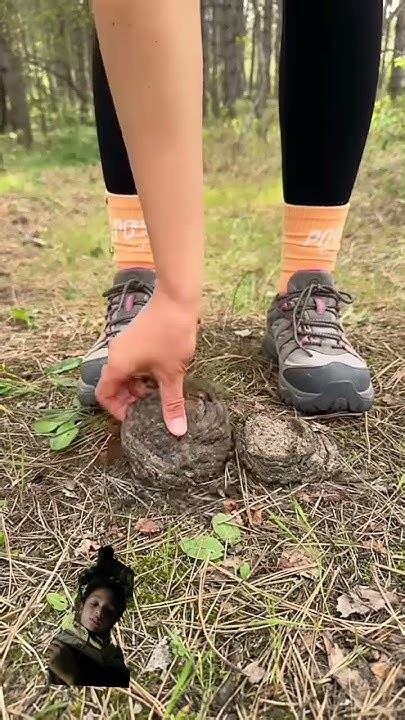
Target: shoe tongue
[
  {"x": 148, "y": 277},
  {"x": 303, "y": 278}
]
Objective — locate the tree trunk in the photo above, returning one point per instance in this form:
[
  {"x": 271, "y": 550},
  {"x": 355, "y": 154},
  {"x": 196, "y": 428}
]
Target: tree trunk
[
  {"x": 396, "y": 85},
  {"x": 233, "y": 79},
  {"x": 255, "y": 33},
  {"x": 15, "y": 91},
  {"x": 240, "y": 27},
  {"x": 386, "y": 35},
  {"x": 205, "y": 29},
  {"x": 266, "y": 48},
  {"x": 214, "y": 83},
  {"x": 277, "y": 44},
  {"x": 81, "y": 78},
  {"x": 3, "y": 107}
]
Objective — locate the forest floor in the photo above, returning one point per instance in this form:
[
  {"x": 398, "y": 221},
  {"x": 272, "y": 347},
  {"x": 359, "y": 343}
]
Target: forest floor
[{"x": 308, "y": 547}]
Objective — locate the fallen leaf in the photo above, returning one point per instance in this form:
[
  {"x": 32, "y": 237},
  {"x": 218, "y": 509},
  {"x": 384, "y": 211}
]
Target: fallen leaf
[
  {"x": 148, "y": 527},
  {"x": 298, "y": 563},
  {"x": 160, "y": 658},
  {"x": 113, "y": 531},
  {"x": 234, "y": 562},
  {"x": 68, "y": 489},
  {"x": 70, "y": 485},
  {"x": 86, "y": 547},
  {"x": 375, "y": 546},
  {"x": 257, "y": 516},
  {"x": 347, "y": 605},
  {"x": 349, "y": 679},
  {"x": 137, "y": 708},
  {"x": 392, "y": 399},
  {"x": 380, "y": 669},
  {"x": 68, "y": 493},
  {"x": 254, "y": 672},
  {"x": 230, "y": 505},
  {"x": 320, "y": 495},
  {"x": 377, "y": 599},
  {"x": 362, "y": 600},
  {"x": 243, "y": 333}
]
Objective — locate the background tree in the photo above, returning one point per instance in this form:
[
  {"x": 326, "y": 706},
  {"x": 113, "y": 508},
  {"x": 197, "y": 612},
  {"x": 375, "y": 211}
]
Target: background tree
[
  {"x": 396, "y": 85},
  {"x": 46, "y": 49}
]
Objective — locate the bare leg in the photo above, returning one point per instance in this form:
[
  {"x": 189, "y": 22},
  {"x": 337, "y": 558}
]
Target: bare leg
[{"x": 152, "y": 52}]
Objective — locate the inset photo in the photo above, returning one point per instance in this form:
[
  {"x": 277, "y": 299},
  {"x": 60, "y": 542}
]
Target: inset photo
[{"x": 85, "y": 650}]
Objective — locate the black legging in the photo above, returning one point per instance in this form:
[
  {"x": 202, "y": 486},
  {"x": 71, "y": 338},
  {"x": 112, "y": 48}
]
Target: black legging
[{"x": 329, "y": 61}]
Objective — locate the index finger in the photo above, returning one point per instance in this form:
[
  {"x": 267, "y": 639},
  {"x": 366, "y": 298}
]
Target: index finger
[{"x": 113, "y": 393}]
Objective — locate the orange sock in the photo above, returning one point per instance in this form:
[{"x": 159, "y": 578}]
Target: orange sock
[
  {"x": 312, "y": 237},
  {"x": 129, "y": 235}
]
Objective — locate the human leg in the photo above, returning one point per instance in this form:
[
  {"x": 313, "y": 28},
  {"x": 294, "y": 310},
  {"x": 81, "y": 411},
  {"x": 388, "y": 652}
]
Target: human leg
[{"x": 328, "y": 79}]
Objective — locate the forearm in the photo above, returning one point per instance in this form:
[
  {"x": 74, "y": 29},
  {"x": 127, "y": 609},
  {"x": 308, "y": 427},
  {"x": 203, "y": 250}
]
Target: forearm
[{"x": 153, "y": 57}]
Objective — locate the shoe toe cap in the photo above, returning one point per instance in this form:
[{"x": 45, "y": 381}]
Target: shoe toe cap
[
  {"x": 91, "y": 371},
  {"x": 315, "y": 379}
]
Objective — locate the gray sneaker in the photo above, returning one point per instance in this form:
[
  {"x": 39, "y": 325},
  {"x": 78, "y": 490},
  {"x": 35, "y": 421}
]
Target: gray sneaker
[
  {"x": 319, "y": 371},
  {"x": 130, "y": 292}
]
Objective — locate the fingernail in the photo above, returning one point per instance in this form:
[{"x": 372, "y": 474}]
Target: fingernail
[{"x": 178, "y": 426}]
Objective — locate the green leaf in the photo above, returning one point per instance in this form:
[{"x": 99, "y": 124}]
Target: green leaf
[
  {"x": 204, "y": 547},
  {"x": 178, "y": 647},
  {"x": 12, "y": 386},
  {"x": 64, "y": 366},
  {"x": 22, "y": 316},
  {"x": 68, "y": 620},
  {"x": 45, "y": 427},
  {"x": 57, "y": 601},
  {"x": 64, "y": 382},
  {"x": 65, "y": 436},
  {"x": 401, "y": 484},
  {"x": 245, "y": 571},
  {"x": 52, "y": 710},
  {"x": 7, "y": 388},
  {"x": 3, "y": 504},
  {"x": 182, "y": 684},
  {"x": 225, "y": 527},
  {"x": 68, "y": 414},
  {"x": 2, "y": 538},
  {"x": 53, "y": 419}
]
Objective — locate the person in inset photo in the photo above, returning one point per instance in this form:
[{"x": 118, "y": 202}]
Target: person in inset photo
[{"x": 83, "y": 652}]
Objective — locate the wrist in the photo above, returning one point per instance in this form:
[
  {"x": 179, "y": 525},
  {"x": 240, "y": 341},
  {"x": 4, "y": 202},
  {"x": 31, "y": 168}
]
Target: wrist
[{"x": 189, "y": 299}]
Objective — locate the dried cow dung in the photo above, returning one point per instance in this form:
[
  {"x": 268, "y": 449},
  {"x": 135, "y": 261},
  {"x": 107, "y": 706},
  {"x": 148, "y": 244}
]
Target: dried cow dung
[
  {"x": 168, "y": 463},
  {"x": 278, "y": 450}
]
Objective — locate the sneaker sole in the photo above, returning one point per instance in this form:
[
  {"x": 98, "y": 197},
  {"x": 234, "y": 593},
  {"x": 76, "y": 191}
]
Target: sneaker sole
[
  {"x": 339, "y": 396},
  {"x": 86, "y": 394}
]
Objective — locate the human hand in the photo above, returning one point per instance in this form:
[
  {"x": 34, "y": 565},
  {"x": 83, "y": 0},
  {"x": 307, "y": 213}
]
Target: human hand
[
  {"x": 62, "y": 661},
  {"x": 158, "y": 344}
]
